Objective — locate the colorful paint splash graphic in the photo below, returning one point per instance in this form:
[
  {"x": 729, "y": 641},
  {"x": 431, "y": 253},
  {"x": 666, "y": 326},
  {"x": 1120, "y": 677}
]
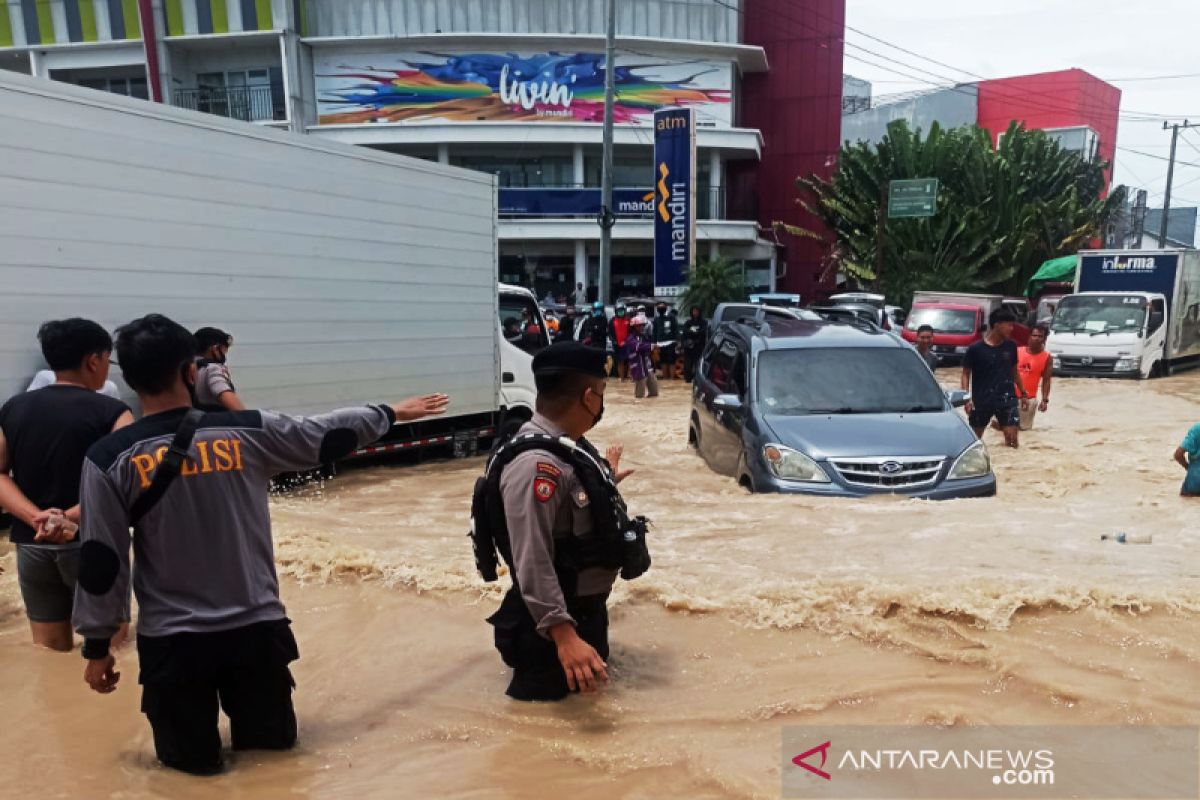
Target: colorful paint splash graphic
[{"x": 489, "y": 87}]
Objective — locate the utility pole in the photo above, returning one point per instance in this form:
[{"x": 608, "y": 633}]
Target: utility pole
[
  {"x": 606, "y": 219},
  {"x": 1166, "y": 213},
  {"x": 880, "y": 226}
]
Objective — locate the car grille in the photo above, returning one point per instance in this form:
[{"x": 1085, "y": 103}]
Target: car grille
[
  {"x": 1088, "y": 363},
  {"x": 889, "y": 473}
]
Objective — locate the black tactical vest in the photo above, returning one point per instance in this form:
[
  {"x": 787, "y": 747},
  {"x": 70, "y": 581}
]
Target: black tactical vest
[{"x": 616, "y": 542}]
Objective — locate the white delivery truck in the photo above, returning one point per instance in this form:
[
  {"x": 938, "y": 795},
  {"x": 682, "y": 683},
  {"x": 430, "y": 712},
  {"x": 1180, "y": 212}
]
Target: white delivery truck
[
  {"x": 344, "y": 274},
  {"x": 1135, "y": 314}
]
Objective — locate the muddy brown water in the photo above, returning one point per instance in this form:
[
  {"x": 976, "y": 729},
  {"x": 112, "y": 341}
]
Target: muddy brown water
[{"x": 760, "y": 612}]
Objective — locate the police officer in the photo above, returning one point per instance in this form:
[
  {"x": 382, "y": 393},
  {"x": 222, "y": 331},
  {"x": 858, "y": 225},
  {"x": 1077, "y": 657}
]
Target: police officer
[
  {"x": 193, "y": 486},
  {"x": 558, "y": 510},
  {"x": 214, "y": 387}
]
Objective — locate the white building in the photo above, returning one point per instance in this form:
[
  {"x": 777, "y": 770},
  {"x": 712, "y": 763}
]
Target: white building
[{"x": 511, "y": 87}]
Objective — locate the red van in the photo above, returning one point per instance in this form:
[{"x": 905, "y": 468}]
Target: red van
[{"x": 959, "y": 320}]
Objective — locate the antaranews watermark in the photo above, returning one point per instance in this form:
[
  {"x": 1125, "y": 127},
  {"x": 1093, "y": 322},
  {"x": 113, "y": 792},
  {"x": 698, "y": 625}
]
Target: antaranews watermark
[{"x": 1013, "y": 763}]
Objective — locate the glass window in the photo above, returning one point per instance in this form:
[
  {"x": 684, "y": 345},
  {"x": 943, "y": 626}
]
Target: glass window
[
  {"x": 520, "y": 172},
  {"x": 846, "y": 380},
  {"x": 521, "y": 324},
  {"x": 722, "y": 366},
  {"x": 943, "y": 320},
  {"x": 1099, "y": 314}
]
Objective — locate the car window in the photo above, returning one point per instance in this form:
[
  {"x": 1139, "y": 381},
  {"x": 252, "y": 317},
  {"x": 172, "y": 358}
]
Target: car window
[
  {"x": 846, "y": 381},
  {"x": 521, "y": 324},
  {"x": 738, "y": 375},
  {"x": 721, "y": 366}
]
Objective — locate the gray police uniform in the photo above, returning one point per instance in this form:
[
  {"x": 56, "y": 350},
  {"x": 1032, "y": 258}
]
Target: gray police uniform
[
  {"x": 544, "y": 502},
  {"x": 210, "y": 625},
  {"x": 212, "y": 380}
]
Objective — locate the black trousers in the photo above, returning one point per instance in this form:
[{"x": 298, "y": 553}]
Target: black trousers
[
  {"x": 537, "y": 673},
  {"x": 690, "y": 357},
  {"x": 187, "y": 677}
]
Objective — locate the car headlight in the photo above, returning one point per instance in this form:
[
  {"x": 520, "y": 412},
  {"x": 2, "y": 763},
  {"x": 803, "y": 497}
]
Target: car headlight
[
  {"x": 1056, "y": 360},
  {"x": 1128, "y": 364},
  {"x": 792, "y": 465},
  {"x": 973, "y": 463}
]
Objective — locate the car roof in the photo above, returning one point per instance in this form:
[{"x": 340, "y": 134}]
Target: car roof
[{"x": 787, "y": 334}]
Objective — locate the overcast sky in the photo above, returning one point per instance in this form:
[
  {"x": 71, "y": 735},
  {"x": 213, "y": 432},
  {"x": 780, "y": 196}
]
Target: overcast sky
[{"x": 1112, "y": 40}]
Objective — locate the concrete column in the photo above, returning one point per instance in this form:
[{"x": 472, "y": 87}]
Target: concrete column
[
  {"x": 714, "y": 249},
  {"x": 443, "y": 153},
  {"x": 716, "y": 209},
  {"x": 581, "y": 264},
  {"x": 774, "y": 269},
  {"x": 577, "y": 171},
  {"x": 37, "y": 64}
]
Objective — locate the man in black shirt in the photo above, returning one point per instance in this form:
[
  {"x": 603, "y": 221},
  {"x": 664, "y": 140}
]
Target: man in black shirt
[
  {"x": 44, "y": 435},
  {"x": 694, "y": 336},
  {"x": 989, "y": 372}
]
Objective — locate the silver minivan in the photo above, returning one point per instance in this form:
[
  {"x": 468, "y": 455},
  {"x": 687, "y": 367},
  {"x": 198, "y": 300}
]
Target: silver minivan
[{"x": 836, "y": 408}]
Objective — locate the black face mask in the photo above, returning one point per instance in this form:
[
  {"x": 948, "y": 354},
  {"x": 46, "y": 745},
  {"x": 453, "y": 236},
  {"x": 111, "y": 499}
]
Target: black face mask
[{"x": 599, "y": 415}]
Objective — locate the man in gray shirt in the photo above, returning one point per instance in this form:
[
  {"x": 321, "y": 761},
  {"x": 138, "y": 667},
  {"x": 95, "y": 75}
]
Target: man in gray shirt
[
  {"x": 213, "y": 390},
  {"x": 211, "y": 626}
]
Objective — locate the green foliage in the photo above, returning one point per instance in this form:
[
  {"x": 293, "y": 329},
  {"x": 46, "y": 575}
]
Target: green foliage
[
  {"x": 1001, "y": 211},
  {"x": 713, "y": 282}
]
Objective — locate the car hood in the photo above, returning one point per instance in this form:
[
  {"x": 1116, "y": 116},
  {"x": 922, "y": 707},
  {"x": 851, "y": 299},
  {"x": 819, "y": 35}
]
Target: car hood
[
  {"x": 1084, "y": 342},
  {"x": 855, "y": 435}
]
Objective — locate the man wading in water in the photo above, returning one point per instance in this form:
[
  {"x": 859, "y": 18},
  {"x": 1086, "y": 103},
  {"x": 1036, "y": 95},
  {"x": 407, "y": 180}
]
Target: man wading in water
[
  {"x": 990, "y": 373},
  {"x": 193, "y": 486},
  {"x": 549, "y": 503}
]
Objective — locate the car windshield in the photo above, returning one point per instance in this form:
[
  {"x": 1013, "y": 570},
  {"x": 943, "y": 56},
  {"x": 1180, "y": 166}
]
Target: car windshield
[
  {"x": 942, "y": 320},
  {"x": 1096, "y": 314},
  {"x": 846, "y": 380}
]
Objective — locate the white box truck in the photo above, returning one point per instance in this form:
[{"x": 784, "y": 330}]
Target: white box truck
[
  {"x": 1135, "y": 314},
  {"x": 344, "y": 274}
]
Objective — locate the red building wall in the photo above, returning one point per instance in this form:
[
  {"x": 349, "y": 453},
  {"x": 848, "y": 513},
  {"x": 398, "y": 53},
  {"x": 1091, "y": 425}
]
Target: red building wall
[
  {"x": 797, "y": 106},
  {"x": 1066, "y": 99}
]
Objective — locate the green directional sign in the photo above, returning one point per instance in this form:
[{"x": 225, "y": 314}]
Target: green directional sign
[{"x": 912, "y": 198}]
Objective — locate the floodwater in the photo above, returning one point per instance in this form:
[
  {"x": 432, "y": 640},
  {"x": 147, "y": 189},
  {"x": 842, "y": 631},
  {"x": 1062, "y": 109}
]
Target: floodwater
[{"x": 760, "y": 612}]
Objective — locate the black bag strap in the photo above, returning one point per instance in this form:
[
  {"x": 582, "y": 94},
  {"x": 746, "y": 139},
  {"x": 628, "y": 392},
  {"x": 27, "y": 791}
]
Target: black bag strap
[{"x": 169, "y": 469}]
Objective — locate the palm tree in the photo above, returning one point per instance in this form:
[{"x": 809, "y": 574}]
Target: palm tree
[
  {"x": 713, "y": 282},
  {"x": 1001, "y": 211}
]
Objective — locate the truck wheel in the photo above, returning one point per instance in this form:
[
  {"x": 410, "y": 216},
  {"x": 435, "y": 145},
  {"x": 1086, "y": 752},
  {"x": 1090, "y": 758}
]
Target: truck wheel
[{"x": 511, "y": 423}]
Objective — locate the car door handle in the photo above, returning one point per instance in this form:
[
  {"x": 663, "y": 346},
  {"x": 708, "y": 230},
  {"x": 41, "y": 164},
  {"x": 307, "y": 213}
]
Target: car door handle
[{"x": 508, "y": 377}]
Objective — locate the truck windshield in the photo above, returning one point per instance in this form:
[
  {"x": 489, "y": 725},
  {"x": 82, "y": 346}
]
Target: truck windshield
[
  {"x": 942, "y": 320},
  {"x": 1097, "y": 314},
  {"x": 846, "y": 380}
]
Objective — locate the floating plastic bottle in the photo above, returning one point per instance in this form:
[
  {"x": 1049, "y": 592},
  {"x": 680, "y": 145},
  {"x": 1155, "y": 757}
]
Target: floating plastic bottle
[{"x": 1127, "y": 538}]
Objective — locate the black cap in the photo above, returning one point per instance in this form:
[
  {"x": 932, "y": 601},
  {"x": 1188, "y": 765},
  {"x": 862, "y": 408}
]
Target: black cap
[{"x": 570, "y": 357}]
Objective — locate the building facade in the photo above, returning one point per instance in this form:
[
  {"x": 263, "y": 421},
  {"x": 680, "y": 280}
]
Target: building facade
[
  {"x": 1077, "y": 108},
  {"x": 509, "y": 87}
]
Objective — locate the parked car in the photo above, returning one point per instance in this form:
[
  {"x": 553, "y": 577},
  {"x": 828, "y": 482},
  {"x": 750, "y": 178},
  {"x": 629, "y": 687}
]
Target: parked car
[
  {"x": 730, "y": 312},
  {"x": 832, "y": 408},
  {"x": 847, "y": 311},
  {"x": 859, "y": 299}
]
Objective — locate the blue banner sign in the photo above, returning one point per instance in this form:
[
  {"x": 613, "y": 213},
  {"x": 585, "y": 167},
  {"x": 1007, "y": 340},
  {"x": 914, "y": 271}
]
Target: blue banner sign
[
  {"x": 675, "y": 198},
  {"x": 546, "y": 202},
  {"x": 1136, "y": 272}
]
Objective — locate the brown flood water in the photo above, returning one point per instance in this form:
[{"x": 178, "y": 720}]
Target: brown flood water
[{"x": 761, "y": 611}]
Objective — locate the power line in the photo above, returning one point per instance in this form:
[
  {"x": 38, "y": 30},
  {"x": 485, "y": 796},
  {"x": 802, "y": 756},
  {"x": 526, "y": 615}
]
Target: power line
[{"x": 1157, "y": 157}]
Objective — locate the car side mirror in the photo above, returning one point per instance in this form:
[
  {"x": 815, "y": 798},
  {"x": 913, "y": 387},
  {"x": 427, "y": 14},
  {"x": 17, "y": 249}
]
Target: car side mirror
[
  {"x": 958, "y": 398},
  {"x": 727, "y": 402}
]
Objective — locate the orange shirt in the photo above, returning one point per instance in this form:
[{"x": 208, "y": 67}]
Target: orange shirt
[{"x": 1032, "y": 368}]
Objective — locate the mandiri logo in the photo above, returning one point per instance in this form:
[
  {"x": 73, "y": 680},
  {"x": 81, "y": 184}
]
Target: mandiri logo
[{"x": 823, "y": 749}]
